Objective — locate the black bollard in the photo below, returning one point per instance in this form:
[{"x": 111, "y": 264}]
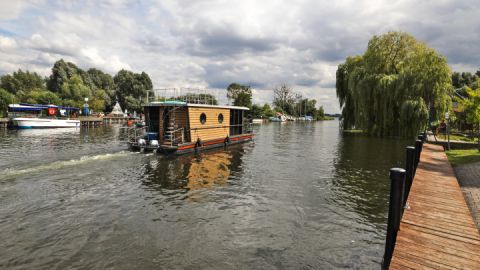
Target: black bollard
[
  {"x": 409, "y": 171},
  {"x": 397, "y": 178},
  {"x": 421, "y": 138},
  {"x": 418, "y": 151}
]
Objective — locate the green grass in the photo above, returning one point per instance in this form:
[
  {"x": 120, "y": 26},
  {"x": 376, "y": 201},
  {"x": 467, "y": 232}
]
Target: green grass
[
  {"x": 463, "y": 156},
  {"x": 455, "y": 137}
]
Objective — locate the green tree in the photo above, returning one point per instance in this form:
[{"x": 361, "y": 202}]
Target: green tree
[
  {"x": 41, "y": 97},
  {"x": 75, "y": 90},
  {"x": 5, "y": 99},
  {"x": 472, "y": 109},
  {"x": 319, "y": 114},
  {"x": 61, "y": 72},
  {"x": 396, "y": 75},
  {"x": 243, "y": 99},
  {"x": 103, "y": 82},
  {"x": 267, "y": 111},
  {"x": 255, "y": 111},
  {"x": 132, "y": 88},
  {"x": 20, "y": 83},
  {"x": 234, "y": 89},
  {"x": 284, "y": 99},
  {"x": 99, "y": 100}
]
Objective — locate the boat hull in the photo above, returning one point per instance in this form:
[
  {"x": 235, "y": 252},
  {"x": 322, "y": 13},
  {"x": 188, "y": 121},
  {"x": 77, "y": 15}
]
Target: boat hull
[
  {"x": 26, "y": 123},
  {"x": 194, "y": 147}
]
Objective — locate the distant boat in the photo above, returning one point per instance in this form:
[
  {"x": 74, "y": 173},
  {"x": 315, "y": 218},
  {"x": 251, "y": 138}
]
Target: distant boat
[
  {"x": 278, "y": 118},
  {"x": 25, "y": 115}
]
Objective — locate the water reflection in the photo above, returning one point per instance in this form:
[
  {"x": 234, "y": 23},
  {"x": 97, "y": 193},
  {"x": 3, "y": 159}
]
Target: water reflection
[
  {"x": 193, "y": 172},
  {"x": 361, "y": 174}
]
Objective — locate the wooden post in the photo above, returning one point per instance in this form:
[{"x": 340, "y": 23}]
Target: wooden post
[
  {"x": 397, "y": 178},
  {"x": 409, "y": 171}
]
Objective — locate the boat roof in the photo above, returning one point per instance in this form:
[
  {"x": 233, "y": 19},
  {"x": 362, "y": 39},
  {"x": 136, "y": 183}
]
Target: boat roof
[
  {"x": 185, "y": 104},
  {"x": 37, "y": 107}
]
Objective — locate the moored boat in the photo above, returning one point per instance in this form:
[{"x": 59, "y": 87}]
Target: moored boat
[
  {"x": 181, "y": 127},
  {"x": 25, "y": 115}
]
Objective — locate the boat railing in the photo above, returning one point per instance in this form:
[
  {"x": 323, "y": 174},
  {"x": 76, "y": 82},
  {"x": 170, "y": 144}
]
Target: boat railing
[
  {"x": 178, "y": 136},
  {"x": 186, "y": 95},
  {"x": 133, "y": 133}
]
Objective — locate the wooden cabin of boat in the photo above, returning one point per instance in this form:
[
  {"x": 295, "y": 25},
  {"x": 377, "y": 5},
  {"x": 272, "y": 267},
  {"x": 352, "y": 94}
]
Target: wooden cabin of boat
[{"x": 185, "y": 127}]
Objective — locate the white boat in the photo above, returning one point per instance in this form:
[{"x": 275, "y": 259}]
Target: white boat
[
  {"x": 22, "y": 122},
  {"x": 42, "y": 116},
  {"x": 278, "y": 118}
]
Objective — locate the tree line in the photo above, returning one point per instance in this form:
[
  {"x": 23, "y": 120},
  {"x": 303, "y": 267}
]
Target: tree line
[
  {"x": 285, "y": 101},
  {"x": 69, "y": 85}
]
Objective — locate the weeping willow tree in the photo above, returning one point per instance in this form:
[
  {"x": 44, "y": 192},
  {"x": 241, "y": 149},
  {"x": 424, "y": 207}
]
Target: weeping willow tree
[{"x": 394, "y": 88}]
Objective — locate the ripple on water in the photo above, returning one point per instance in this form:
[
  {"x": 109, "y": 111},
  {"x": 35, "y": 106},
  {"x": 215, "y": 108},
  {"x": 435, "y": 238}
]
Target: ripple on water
[{"x": 301, "y": 196}]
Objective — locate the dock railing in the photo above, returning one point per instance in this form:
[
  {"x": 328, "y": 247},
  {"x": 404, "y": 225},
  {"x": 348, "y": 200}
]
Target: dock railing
[{"x": 401, "y": 181}]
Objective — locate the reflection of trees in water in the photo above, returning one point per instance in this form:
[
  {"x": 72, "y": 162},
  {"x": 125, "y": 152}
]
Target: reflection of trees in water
[
  {"x": 361, "y": 174},
  {"x": 193, "y": 171}
]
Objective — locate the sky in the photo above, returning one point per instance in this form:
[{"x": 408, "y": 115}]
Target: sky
[{"x": 212, "y": 43}]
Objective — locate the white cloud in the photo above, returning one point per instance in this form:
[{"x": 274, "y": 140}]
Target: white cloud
[
  {"x": 213, "y": 43},
  {"x": 7, "y": 43}
]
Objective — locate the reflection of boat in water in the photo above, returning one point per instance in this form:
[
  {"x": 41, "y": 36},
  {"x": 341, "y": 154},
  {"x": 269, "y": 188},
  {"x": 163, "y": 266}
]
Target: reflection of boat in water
[
  {"x": 48, "y": 132},
  {"x": 193, "y": 172},
  {"x": 208, "y": 170},
  {"x": 42, "y": 116}
]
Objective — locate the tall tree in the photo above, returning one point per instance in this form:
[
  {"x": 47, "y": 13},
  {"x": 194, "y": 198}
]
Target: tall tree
[
  {"x": 61, "y": 72},
  {"x": 243, "y": 99},
  {"x": 394, "y": 87},
  {"x": 132, "y": 88},
  {"x": 20, "y": 83},
  {"x": 284, "y": 98},
  {"x": 234, "y": 89},
  {"x": 472, "y": 109},
  {"x": 74, "y": 90},
  {"x": 5, "y": 99}
]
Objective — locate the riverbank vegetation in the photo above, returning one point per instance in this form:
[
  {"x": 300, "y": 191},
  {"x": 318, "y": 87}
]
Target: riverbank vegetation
[
  {"x": 286, "y": 101},
  {"x": 394, "y": 87},
  {"x": 68, "y": 85},
  {"x": 463, "y": 156}
]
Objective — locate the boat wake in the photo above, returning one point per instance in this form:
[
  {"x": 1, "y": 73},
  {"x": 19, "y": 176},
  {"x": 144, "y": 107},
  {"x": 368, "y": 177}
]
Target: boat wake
[{"x": 9, "y": 172}]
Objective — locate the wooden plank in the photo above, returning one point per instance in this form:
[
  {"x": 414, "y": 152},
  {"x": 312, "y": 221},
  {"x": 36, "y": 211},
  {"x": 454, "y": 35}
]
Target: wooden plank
[{"x": 437, "y": 230}]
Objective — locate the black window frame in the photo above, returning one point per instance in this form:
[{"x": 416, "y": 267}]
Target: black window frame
[{"x": 203, "y": 118}]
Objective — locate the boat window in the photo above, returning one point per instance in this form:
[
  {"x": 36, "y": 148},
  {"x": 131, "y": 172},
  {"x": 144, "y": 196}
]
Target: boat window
[
  {"x": 220, "y": 118},
  {"x": 203, "y": 118}
]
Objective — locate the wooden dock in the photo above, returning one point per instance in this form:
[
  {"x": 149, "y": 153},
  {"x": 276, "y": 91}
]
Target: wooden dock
[{"x": 437, "y": 230}]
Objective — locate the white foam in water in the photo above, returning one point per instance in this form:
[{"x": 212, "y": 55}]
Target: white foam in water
[{"x": 61, "y": 164}]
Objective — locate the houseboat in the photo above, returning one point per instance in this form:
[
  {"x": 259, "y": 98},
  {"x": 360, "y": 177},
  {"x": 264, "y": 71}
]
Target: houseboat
[
  {"x": 178, "y": 126},
  {"x": 25, "y": 115}
]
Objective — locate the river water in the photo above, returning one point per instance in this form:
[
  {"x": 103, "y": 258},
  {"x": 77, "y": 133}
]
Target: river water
[{"x": 301, "y": 196}]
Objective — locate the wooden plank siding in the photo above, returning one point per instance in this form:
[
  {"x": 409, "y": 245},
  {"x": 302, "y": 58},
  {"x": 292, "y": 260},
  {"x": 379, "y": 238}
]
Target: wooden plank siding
[
  {"x": 437, "y": 230},
  {"x": 212, "y": 129},
  {"x": 179, "y": 117}
]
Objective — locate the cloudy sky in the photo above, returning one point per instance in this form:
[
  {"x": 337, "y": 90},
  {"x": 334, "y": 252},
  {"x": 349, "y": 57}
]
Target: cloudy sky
[{"x": 211, "y": 43}]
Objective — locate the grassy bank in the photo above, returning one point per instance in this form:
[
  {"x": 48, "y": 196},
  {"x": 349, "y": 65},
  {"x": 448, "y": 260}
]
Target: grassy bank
[
  {"x": 455, "y": 137},
  {"x": 460, "y": 156}
]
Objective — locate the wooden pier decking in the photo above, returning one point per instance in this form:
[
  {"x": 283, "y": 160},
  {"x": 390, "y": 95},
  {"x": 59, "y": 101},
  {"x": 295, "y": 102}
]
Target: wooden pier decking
[{"x": 437, "y": 230}]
